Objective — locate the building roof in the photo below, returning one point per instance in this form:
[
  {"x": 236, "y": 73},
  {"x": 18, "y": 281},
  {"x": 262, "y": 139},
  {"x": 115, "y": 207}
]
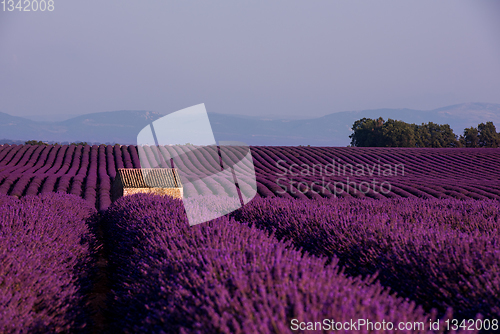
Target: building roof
[{"x": 149, "y": 177}]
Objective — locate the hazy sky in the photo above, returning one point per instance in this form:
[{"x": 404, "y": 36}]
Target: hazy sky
[{"x": 287, "y": 58}]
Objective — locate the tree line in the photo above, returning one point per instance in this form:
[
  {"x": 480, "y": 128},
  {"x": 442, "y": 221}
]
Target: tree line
[
  {"x": 39, "y": 142},
  {"x": 369, "y": 132}
]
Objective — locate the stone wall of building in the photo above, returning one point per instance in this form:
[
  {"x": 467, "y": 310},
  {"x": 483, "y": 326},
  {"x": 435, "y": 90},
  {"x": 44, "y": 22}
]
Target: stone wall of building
[{"x": 173, "y": 192}]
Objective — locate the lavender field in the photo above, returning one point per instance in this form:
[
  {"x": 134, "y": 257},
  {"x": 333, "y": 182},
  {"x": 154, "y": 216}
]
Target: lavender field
[
  {"x": 400, "y": 236},
  {"x": 288, "y": 172}
]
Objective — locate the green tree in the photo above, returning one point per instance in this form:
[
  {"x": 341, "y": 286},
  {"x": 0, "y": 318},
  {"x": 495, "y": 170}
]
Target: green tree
[
  {"x": 422, "y": 135},
  {"x": 35, "y": 142},
  {"x": 488, "y": 136},
  {"x": 393, "y": 133},
  {"x": 398, "y": 134},
  {"x": 435, "y": 135},
  {"x": 442, "y": 136},
  {"x": 367, "y": 132},
  {"x": 470, "y": 137}
]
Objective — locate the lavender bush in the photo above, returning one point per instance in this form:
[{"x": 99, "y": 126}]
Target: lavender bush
[
  {"x": 46, "y": 256},
  {"x": 440, "y": 253},
  {"x": 225, "y": 277}
]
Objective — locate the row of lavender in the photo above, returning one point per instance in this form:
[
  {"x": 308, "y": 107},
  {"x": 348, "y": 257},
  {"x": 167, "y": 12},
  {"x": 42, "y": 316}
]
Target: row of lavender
[
  {"x": 320, "y": 172},
  {"x": 315, "y": 173},
  {"x": 46, "y": 258},
  {"x": 228, "y": 277},
  {"x": 86, "y": 171},
  {"x": 438, "y": 162},
  {"x": 287, "y": 172},
  {"x": 440, "y": 253}
]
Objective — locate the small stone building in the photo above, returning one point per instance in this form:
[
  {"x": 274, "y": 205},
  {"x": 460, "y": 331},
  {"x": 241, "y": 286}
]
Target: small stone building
[{"x": 158, "y": 181}]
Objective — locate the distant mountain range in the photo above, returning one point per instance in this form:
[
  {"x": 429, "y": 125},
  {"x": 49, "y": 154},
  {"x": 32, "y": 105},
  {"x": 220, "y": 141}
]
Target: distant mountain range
[{"x": 330, "y": 130}]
